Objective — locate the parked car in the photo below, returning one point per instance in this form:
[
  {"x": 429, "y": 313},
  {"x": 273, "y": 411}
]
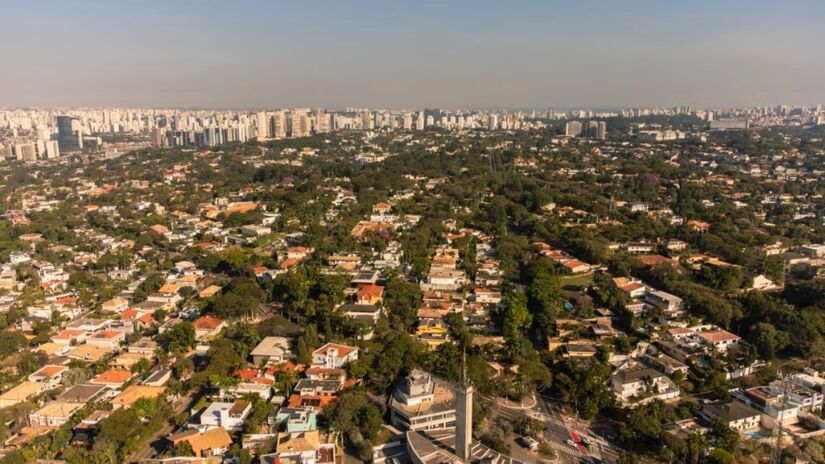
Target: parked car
[
  {"x": 530, "y": 443},
  {"x": 570, "y": 442}
]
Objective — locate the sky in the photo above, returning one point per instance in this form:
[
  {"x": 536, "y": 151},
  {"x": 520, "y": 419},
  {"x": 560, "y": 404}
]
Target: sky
[{"x": 411, "y": 54}]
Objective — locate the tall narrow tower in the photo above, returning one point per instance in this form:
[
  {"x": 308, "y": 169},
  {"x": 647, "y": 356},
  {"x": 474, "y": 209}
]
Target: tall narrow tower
[
  {"x": 464, "y": 415},
  {"x": 464, "y": 421}
]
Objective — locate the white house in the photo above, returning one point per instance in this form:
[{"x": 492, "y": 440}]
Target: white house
[{"x": 334, "y": 355}]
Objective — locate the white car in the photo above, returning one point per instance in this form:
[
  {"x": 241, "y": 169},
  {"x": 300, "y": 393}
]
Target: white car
[
  {"x": 530, "y": 443},
  {"x": 570, "y": 442}
]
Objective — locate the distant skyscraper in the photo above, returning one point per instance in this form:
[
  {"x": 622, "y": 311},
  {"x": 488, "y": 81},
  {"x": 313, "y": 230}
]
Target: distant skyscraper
[
  {"x": 69, "y": 134},
  {"x": 52, "y": 149},
  {"x": 366, "y": 120},
  {"x": 573, "y": 128},
  {"x": 299, "y": 123},
  {"x": 25, "y": 152},
  {"x": 406, "y": 123},
  {"x": 419, "y": 121},
  {"x": 278, "y": 125},
  {"x": 262, "y": 125},
  {"x": 320, "y": 121},
  {"x": 597, "y": 130},
  {"x": 492, "y": 122},
  {"x": 158, "y": 137}
]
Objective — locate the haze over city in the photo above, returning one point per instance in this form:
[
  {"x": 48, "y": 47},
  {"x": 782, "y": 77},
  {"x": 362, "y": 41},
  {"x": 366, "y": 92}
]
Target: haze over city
[
  {"x": 386, "y": 54},
  {"x": 432, "y": 232}
]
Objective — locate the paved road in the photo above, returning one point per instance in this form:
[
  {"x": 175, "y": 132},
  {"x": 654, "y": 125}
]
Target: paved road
[{"x": 562, "y": 428}]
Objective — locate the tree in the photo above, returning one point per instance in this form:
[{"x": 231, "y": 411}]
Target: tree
[
  {"x": 150, "y": 284},
  {"x": 528, "y": 426},
  {"x": 357, "y": 417},
  {"x": 725, "y": 278},
  {"x": 183, "y": 449},
  {"x": 516, "y": 317},
  {"x": 11, "y": 342},
  {"x": 720, "y": 456},
  {"x": 241, "y": 298},
  {"x": 402, "y": 299},
  {"x": 768, "y": 340},
  {"x": 179, "y": 338}
]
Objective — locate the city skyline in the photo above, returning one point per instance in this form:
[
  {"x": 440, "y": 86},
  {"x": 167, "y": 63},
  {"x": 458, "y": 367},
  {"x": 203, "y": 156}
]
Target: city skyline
[{"x": 251, "y": 55}]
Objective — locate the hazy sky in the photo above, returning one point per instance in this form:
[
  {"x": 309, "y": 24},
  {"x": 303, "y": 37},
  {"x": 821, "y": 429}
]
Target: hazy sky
[{"x": 411, "y": 53}]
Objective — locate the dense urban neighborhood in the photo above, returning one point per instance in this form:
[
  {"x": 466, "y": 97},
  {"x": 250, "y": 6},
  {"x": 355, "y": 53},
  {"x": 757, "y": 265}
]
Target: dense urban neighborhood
[{"x": 412, "y": 287}]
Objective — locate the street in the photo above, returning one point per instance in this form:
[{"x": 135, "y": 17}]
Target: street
[{"x": 558, "y": 429}]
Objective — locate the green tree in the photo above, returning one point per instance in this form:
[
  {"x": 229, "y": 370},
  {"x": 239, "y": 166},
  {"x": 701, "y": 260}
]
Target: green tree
[
  {"x": 183, "y": 449},
  {"x": 179, "y": 338}
]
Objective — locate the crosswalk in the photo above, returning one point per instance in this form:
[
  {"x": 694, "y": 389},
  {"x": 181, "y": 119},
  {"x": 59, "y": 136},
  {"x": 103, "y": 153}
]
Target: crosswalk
[
  {"x": 559, "y": 426},
  {"x": 565, "y": 449}
]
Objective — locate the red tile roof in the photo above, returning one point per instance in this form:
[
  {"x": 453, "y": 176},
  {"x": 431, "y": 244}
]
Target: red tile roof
[{"x": 207, "y": 323}]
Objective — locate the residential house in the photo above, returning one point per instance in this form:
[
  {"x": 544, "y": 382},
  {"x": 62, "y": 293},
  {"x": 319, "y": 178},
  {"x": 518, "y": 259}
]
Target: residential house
[
  {"x": 334, "y": 355},
  {"x": 636, "y": 385},
  {"x": 145, "y": 346},
  {"x": 113, "y": 378},
  {"x": 50, "y": 375},
  {"x": 212, "y": 442},
  {"x": 115, "y": 305},
  {"x": 668, "y": 305},
  {"x": 271, "y": 349},
  {"x": 301, "y": 448},
  {"x": 108, "y": 339},
  {"x": 82, "y": 393},
  {"x": 54, "y": 414},
  {"x": 133, "y": 393},
  {"x": 721, "y": 340},
  {"x": 734, "y": 414},
  {"x": 314, "y": 393},
  {"x": 229, "y": 416},
  {"x": 20, "y": 393},
  {"x": 207, "y": 327},
  {"x": 296, "y": 419}
]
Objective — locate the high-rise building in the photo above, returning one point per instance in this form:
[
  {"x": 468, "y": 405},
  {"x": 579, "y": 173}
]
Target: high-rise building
[
  {"x": 299, "y": 124},
  {"x": 262, "y": 125},
  {"x": 597, "y": 130},
  {"x": 419, "y": 121},
  {"x": 40, "y": 148},
  {"x": 25, "y": 152},
  {"x": 69, "y": 133},
  {"x": 158, "y": 138},
  {"x": 52, "y": 149},
  {"x": 492, "y": 122},
  {"x": 406, "y": 122},
  {"x": 366, "y": 120},
  {"x": 278, "y": 125},
  {"x": 573, "y": 128},
  {"x": 320, "y": 121}
]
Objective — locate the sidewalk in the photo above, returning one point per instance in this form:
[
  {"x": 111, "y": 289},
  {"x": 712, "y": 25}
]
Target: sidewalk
[{"x": 528, "y": 403}]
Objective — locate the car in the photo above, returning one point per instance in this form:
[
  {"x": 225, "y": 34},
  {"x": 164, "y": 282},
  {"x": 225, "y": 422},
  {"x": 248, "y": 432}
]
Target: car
[
  {"x": 570, "y": 442},
  {"x": 586, "y": 441},
  {"x": 529, "y": 443}
]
